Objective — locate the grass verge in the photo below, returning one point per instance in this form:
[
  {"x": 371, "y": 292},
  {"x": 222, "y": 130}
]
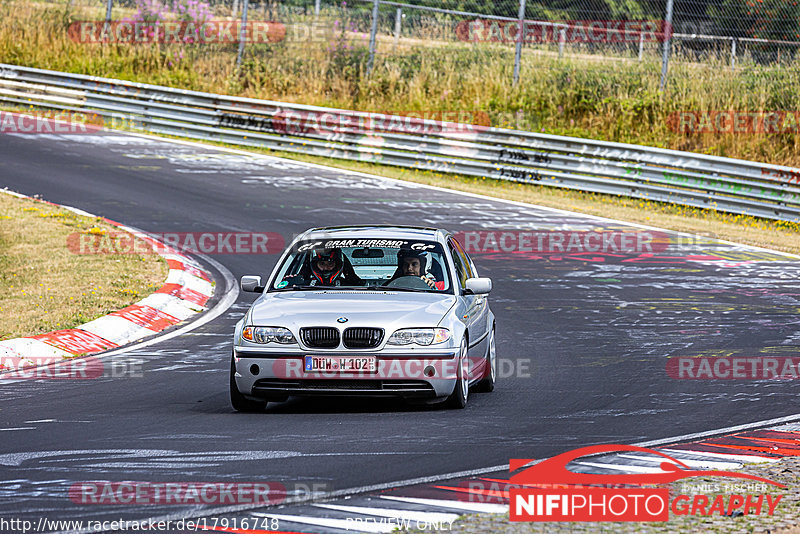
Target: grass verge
[{"x": 46, "y": 286}]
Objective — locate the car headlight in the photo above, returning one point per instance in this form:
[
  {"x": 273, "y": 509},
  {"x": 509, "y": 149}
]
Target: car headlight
[
  {"x": 268, "y": 334},
  {"x": 420, "y": 336}
]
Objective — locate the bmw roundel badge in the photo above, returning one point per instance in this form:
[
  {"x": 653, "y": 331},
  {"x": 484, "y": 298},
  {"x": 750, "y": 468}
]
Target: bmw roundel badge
[{"x": 341, "y": 320}]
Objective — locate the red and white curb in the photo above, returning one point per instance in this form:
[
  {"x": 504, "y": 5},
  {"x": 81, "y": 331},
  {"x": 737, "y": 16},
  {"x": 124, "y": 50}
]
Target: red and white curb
[{"x": 185, "y": 292}]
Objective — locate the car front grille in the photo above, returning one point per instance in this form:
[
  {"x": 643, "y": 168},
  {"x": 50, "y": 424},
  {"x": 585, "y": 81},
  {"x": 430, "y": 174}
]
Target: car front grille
[
  {"x": 320, "y": 337},
  {"x": 362, "y": 338}
]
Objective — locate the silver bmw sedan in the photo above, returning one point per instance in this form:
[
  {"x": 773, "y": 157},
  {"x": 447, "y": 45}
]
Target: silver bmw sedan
[{"x": 368, "y": 311}]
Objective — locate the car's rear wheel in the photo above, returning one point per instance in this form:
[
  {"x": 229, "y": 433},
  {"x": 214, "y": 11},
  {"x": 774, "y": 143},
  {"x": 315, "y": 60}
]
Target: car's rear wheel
[
  {"x": 490, "y": 375},
  {"x": 239, "y": 402},
  {"x": 461, "y": 392}
]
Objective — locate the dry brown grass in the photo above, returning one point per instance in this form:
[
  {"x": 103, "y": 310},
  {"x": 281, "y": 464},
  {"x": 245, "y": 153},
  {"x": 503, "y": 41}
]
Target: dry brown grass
[{"x": 47, "y": 287}]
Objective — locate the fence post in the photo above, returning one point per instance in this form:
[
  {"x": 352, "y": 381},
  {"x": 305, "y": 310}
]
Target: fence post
[
  {"x": 108, "y": 11},
  {"x": 242, "y": 33},
  {"x": 562, "y": 37},
  {"x": 234, "y": 9},
  {"x": 667, "y": 45},
  {"x": 372, "y": 34},
  {"x": 518, "y": 50},
  {"x": 398, "y": 17},
  {"x": 641, "y": 45},
  {"x": 316, "y": 8},
  {"x": 733, "y": 52}
]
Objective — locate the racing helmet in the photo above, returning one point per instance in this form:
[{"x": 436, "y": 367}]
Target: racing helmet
[
  {"x": 408, "y": 253},
  {"x": 332, "y": 255}
]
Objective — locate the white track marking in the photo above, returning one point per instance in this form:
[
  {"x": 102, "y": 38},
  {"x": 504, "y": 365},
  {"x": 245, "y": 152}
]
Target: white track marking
[
  {"x": 743, "y": 458},
  {"x": 410, "y": 515},
  {"x": 190, "y": 281},
  {"x": 116, "y": 329},
  {"x": 720, "y": 431},
  {"x": 478, "y": 507},
  {"x": 180, "y": 309},
  {"x": 31, "y": 348},
  {"x": 623, "y": 467},
  {"x": 700, "y": 464}
]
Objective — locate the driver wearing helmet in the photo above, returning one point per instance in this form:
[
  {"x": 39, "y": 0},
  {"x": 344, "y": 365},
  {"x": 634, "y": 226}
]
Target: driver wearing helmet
[
  {"x": 328, "y": 268},
  {"x": 413, "y": 263},
  {"x": 325, "y": 267}
]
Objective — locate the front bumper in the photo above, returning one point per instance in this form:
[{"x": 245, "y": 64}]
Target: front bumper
[{"x": 412, "y": 375}]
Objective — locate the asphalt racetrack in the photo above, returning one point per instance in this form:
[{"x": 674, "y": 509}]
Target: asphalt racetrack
[{"x": 584, "y": 337}]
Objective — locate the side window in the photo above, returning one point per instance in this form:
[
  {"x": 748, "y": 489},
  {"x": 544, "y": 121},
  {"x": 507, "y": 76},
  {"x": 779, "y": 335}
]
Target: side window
[
  {"x": 458, "y": 261},
  {"x": 468, "y": 266}
]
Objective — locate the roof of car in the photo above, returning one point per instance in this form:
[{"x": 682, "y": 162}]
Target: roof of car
[{"x": 374, "y": 231}]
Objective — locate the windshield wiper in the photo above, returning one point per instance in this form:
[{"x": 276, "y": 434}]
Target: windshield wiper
[{"x": 387, "y": 288}]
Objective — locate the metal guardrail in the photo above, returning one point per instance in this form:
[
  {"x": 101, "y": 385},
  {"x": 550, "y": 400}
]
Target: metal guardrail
[{"x": 696, "y": 180}]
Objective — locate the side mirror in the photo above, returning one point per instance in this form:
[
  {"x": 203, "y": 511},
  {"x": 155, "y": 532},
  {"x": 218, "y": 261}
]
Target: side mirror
[
  {"x": 478, "y": 286},
  {"x": 252, "y": 284}
]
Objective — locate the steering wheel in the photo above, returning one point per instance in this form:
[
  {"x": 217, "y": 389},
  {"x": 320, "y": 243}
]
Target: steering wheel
[{"x": 408, "y": 282}]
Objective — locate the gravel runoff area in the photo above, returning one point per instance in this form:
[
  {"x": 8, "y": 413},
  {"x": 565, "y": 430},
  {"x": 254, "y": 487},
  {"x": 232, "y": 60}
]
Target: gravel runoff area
[{"x": 786, "y": 519}]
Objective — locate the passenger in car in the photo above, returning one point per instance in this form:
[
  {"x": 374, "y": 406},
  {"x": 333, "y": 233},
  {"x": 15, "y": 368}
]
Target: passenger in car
[{"x": 414, "y": 263}]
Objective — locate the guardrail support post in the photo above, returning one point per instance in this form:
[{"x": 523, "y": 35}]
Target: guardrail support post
[
  {"x": 316, "y": 8},
  {"x": 733, "y": 52},
  {"x": 108, "y": 11},
  {"x": 372, "y": 35},
  {"x": 398, "y": 21},
  {"x": 242, "y": 33},
  {"x": 641, "y": 45},
  {"x": 562, "y": 37},
  {"x": 667, "y": 45},
  {"x": 518, "y": 50}
]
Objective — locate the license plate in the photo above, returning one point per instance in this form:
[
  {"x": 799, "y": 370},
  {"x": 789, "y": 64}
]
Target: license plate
[{"x": 341, "y": 364}]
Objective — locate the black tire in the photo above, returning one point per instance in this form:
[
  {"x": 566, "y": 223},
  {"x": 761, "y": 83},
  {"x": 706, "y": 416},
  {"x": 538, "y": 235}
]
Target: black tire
[
  {"x": 486, "y": 384},
  {"x": 458, "y": 399},
  {"x": 239, "y": 402}
]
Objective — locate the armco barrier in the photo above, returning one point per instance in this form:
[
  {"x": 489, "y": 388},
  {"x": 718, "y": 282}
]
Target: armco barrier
[{"x": 696, "y": 180}]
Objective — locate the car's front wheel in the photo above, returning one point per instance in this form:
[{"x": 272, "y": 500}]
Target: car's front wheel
[
  {"x": 239, "y": 402},
  {"x": 461, "y": 392}
]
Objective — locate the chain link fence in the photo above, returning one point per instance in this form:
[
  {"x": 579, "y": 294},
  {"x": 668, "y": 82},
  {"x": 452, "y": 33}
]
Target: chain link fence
[{"x": 735, "y": 33}]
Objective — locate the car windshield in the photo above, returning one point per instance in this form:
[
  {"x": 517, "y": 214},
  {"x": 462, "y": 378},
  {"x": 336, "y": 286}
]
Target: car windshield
[{"x": 344, "y": 264}]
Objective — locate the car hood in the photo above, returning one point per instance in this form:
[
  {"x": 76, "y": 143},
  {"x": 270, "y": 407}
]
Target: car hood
[{"x": 388, "y": 310}]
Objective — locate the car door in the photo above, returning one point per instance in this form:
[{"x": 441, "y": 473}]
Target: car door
[{"x": 474, "y": 312}]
